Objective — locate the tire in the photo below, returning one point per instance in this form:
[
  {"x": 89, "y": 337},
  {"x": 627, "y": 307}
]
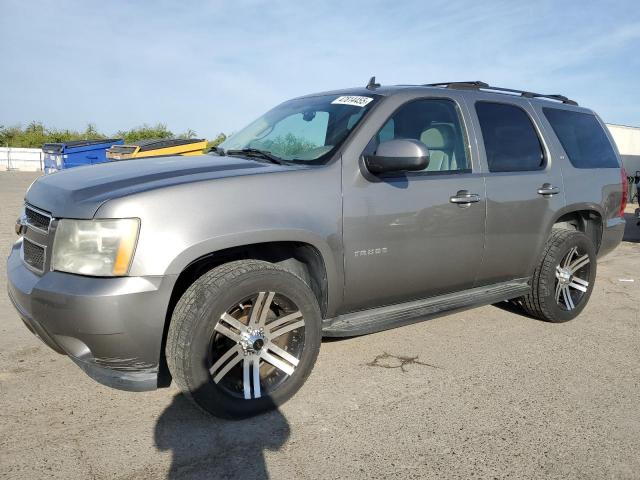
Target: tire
[
  {"x": 230, "y": 311},
  {"x": 557, "y": 295}
]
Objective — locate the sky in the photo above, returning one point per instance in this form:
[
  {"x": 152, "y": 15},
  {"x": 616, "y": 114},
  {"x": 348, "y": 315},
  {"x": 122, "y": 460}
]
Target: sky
[{"x": 215, "y": 66}]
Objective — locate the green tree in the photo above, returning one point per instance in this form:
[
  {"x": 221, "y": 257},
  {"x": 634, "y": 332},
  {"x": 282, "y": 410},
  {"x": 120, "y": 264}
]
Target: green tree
[
  {"x": 91, "y": 132},
  {"x": 216, "y": 141},
  {"x": 35, "y": 134},
  {"x": 145, "y": 132},
  {"x": 288, "y": 146},
  {"x": 189, "y": 134},
  {"x": 8, "y": 135}
]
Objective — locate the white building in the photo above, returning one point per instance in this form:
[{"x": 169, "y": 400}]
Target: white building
[{"x": 628, "y": 141}]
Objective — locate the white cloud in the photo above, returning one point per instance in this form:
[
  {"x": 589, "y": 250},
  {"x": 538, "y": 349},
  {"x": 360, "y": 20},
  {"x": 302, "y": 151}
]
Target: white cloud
[{"x": 214, "y": 66}]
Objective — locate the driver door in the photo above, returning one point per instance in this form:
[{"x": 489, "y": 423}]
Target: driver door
[{"x": 404, "y": 237}]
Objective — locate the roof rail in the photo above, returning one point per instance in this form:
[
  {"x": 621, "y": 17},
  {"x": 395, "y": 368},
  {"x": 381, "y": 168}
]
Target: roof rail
[{"x": 478, "y": 85}]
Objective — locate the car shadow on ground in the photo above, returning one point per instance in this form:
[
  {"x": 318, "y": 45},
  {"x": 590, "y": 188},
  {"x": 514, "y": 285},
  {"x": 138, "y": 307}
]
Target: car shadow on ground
[
  {"x": 206, "y": 447},
  {"x": 512, "y": 306}
]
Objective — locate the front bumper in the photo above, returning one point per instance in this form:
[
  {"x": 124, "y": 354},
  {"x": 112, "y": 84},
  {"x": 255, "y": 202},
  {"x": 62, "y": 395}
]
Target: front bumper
[{"x": 110, "y": 327}]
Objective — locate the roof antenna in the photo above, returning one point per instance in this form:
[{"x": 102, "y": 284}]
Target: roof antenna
[{"x": 372, "y": 85}]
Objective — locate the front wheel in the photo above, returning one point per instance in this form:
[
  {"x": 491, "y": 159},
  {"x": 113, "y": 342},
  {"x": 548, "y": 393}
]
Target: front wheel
[
  {"x": 243, "y": 338},
  {"x": 563, "y": 281}
]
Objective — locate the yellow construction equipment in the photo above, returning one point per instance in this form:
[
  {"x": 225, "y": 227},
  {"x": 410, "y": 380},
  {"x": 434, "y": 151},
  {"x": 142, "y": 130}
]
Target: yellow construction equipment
[{"x": 157, "y": 148}]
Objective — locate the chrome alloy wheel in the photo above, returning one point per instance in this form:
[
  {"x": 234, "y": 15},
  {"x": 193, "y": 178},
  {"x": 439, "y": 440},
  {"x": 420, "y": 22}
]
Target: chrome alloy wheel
[
  {"x": 570, "y": 283},
  {"x": 257, "y": 345}
]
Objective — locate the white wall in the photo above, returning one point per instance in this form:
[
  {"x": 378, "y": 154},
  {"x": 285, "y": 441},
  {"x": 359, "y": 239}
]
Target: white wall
[
  {"x": 23, "y": 159},
  {"x": 628, "y": 142}
]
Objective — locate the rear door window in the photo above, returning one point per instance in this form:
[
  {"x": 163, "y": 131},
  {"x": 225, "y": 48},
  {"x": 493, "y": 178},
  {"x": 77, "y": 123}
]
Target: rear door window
[
  {"x": 510, "y": 140},
  {"x": 583, "y": 138}
]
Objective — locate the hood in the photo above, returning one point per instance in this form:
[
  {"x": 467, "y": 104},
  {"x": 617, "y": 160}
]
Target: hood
[{"x": 79, "y": 192}]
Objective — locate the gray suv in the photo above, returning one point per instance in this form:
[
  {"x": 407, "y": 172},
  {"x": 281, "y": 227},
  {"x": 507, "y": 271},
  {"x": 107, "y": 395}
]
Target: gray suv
[{"x": 335, "y": 214}]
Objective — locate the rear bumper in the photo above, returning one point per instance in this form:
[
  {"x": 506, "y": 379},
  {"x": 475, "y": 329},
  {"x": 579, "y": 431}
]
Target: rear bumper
[
  {"x": 611, "y": 235},
  {"x": 110, "y": 327}
]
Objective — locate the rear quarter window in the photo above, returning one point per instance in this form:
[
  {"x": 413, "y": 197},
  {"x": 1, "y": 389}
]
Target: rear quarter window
[
  {"x": 583, "y": 138},
  {"x": 510, "y": 139}
]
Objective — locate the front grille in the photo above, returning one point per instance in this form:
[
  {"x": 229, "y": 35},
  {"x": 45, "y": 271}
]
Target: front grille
[
  {"x": 33, "y": 255},
  {"x": 37, "y": 219}
]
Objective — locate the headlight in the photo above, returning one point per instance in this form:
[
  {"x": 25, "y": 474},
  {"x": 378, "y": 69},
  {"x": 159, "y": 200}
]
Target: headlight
[{"x": 102, "y": 248}]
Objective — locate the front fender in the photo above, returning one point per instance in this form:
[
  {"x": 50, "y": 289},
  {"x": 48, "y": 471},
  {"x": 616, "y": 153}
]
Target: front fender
[
  {"x": 182, "y": 223},
  {"x": 328, "y": 248}
]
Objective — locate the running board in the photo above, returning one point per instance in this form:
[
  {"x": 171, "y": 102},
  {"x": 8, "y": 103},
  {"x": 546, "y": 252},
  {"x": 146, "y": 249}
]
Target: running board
[{"x": 392, "y": 316}]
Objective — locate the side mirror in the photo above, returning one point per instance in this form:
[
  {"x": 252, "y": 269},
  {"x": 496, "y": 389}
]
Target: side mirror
[{"x": 398, "y": 155}]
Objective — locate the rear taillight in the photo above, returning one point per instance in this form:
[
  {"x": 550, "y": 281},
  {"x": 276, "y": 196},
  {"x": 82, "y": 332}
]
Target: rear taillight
[{"x": 625, "y": 191}]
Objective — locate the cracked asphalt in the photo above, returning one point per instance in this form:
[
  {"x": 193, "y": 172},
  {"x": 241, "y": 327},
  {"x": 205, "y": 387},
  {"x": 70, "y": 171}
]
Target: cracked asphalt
[{"x": 486, "y": 393}]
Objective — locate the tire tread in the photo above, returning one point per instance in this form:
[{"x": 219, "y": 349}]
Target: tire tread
[
  {"x": 193, "y": 308},
  {"x": 534, "y": 303},
  {"x": 185, "y": 315}
]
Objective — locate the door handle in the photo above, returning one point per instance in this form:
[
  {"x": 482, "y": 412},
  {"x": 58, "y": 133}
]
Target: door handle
[
  {"x": 547, "y": 190},
  {"x": 464, "y": 198}
]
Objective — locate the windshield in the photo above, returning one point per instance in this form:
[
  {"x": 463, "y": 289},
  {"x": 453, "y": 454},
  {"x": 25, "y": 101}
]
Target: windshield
[{"x": 303, "y": 130}]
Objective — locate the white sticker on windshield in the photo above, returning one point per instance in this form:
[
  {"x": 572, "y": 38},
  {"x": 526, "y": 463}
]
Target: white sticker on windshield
[{"x": 355, "y": 100}]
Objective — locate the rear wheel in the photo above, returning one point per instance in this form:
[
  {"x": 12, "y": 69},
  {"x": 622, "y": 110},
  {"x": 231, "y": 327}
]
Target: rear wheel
[
  {"x": 563, "y": 281},
  {"x": 243, "y": 338}
]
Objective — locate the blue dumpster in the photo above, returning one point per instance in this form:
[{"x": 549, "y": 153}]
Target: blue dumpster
[{"x": 58, "y": 156}]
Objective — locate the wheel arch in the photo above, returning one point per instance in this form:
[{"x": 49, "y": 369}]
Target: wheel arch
[
  {"x": 303, "y": 259},
  {"x": 586, "y": 218}
]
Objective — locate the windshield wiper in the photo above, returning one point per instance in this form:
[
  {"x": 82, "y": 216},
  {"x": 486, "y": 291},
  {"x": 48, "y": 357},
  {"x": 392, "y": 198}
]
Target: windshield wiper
[
  {"x": 218, "y": 151},
  {"x": 255, "y": 152}
]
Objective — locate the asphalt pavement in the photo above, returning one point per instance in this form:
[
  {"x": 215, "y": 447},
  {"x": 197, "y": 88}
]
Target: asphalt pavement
[{"x": 487, "y": 393}]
